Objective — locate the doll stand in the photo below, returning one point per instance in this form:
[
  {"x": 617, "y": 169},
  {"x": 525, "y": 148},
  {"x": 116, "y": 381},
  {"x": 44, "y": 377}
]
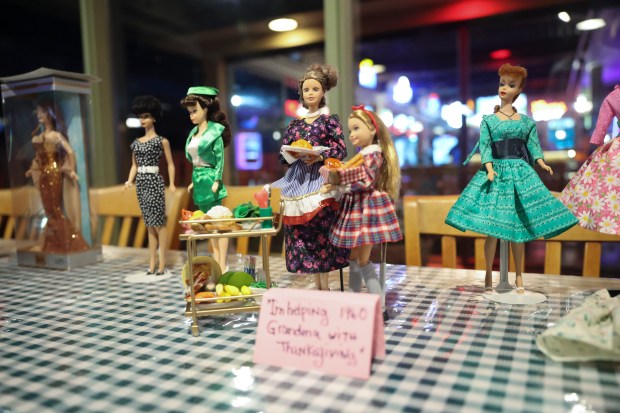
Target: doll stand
[{"x": 504, "y": 292}]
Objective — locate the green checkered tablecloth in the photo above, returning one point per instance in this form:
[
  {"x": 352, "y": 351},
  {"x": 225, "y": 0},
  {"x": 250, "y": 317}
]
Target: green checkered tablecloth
[{"x": 87, "y": 340}]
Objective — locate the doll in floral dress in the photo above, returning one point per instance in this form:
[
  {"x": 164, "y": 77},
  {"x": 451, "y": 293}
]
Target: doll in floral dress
[
  {"x": 593, "y": 194},
  {"x": 308, "y": 214}
]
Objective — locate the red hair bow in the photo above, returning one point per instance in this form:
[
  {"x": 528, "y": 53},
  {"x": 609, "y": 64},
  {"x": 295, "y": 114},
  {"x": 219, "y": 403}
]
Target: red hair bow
[{"x": 370, "y": 115}]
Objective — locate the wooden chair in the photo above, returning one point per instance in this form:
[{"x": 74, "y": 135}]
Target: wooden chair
[
  {"x": 242, "y": 194},
  {"x": 21, "y": 213},
  {"x": 426, "y": 215},
  {"x": 112, "y": 204}
]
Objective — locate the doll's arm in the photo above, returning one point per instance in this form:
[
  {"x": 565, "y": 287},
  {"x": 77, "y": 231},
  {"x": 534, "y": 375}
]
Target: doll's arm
[
  {"x": 605, "y": 116},
  {"x": 171, "y": 171},
  {"x": 486, "y": 154},
  {"x": 132, "y": 172},
  {"x": 359, "y": 178},
  {"x": 334, "y": 140},
  {"x": 69, "y": 165},
  {"x": 533, "y": 145},
  {"x": 218, "y": 152}
]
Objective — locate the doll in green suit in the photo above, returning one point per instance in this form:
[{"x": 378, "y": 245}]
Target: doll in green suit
[{"x": 204, "y": 148}]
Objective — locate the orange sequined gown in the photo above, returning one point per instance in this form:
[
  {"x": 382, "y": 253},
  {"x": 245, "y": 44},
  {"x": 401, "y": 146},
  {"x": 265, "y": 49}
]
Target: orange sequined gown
[{"x": 60, "y": 234}]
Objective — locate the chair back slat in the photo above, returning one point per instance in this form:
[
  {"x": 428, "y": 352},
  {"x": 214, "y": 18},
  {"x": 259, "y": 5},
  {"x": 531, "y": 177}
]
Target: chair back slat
[
  {"x": 553, "y": 257},
  {"x": 592, "y": 259},
  {"x": 448, "y": 251},
  {"x": 140, "y": 234}
]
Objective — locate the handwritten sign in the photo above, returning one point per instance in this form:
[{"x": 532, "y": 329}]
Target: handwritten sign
[{"x": 335, "y": 333}]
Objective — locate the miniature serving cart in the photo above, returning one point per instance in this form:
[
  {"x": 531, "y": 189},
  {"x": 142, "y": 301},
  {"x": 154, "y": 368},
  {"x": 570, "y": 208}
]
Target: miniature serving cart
[{"x": 254, "y": 229}]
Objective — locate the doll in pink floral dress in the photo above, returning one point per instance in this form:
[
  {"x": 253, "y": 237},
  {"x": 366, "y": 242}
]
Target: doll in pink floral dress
[{"x": 593, "y": 194}]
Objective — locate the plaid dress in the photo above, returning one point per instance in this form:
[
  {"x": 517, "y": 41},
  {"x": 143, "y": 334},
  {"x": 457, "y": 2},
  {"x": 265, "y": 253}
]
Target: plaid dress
[{"x": 366, "y": 215}]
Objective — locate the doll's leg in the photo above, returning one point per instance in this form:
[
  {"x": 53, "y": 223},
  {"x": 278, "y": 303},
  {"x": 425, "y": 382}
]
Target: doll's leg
[
  {"x": 367, "y": 269},
  {"x": 162, "y": 234},
  {"x": 490, "y": 245},
  {"x": 355, "y": 276},
  {"x": 215, "y": 246},
  {"x": 517, "y": 253},
  {"x": 152, "y": 231}
]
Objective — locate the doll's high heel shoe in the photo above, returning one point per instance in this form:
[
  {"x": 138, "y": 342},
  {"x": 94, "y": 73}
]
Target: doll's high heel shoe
[
  {"x": 149, "y": 272},
  {"x": 520, "y": 289}
]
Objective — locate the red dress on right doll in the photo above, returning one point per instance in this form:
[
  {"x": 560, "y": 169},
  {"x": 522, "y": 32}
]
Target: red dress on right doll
[{"x": 593, "y": 194}]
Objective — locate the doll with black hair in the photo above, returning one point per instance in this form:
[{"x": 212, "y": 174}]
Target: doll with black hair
[
  {"x": 204, "y": 148},
  {"x": 309, "y": 214},
  {"x": 370, "y": 183},
  {"x": 506, "y": 198},
  {"x": 146, "y": 153},
  {"x": 53, "y": 171}
]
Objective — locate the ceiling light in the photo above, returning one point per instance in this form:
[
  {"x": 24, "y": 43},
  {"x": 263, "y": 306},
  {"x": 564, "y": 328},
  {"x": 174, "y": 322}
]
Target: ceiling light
[
  {"x": 283, "y": 25},
  {"x": 591, "y": 24},
  {"x": 565, "y": 17}
]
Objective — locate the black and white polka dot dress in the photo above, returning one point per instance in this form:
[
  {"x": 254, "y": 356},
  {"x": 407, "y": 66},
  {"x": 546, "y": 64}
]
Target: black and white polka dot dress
[{"x": 150, "y": 186}]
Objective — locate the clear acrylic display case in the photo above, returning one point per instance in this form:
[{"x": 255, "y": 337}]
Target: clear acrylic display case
[{"x": 48, "y": 126}]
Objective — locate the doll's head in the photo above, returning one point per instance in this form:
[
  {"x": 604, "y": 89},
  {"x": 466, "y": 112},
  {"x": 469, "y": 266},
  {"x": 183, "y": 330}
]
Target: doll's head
[
  {"x": 326, "y": 75},
  {"x": 388, "y": 179},
  {"x": 206, "y": 98},
  {"x": 48, "y": 114},
  {"x": 515, "y": 73},
  {"x": 147, "y": 104}
]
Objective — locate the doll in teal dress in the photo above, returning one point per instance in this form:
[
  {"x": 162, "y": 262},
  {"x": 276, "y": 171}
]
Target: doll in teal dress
[
  {"x": 204, "y": 148},
  {"x": 506, "y": 199}
]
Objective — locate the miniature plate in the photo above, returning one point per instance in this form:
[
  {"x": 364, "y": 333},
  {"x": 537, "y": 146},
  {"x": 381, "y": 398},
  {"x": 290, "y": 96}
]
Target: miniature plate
[{"x": 294, "y": 150}]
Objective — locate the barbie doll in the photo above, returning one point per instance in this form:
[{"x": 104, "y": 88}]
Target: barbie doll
[
  {"x": 506, "y": 199},
  {"x": 309, "y": 214},
  {"x": 366, "y": 216},
  {"x": 593, "y": 194},
  {"x": 205, "y": 150},
  {"x": 147, "y": 151},
  {"x": 53, "y": 171}
]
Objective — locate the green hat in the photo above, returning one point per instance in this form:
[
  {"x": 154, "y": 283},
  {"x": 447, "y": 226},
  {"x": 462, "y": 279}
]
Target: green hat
[{"x": 202, "y": 90}]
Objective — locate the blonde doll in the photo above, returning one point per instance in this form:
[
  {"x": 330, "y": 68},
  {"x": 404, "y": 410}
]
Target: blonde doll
[{"x": 370, "y": 183}]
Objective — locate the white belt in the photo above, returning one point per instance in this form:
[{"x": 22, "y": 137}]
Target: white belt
[{"x": 148, "y": 169}]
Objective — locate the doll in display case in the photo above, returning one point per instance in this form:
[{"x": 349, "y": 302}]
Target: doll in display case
[
  {"x": 506, "y": 198},
  {"x": 308, "y": 214},
  {"x": 593, "y": 194},
  {"x": 53, "y": 171},
  {"x": 204, "y": 148},
  {"x": 369, "y": 184},
  {"x": 146, "y": 153}
]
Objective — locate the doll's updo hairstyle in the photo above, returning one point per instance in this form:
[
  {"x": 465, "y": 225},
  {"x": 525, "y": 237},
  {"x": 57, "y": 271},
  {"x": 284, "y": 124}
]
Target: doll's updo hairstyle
[
  {"x": 388, "y": 178},
  {"x": 326, "y": 75},
  {"x": 147, "y": 104},
  {"x": 517, "y": 72},
  {"x": 212, "y": 104}
]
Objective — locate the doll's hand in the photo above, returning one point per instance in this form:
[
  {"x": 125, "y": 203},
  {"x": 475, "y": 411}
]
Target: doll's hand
[
  {"x": 334, "y": 178},
  {"x": 310, "y": 159},
  {"x": 28, "y": 173},
  {"x": 491, "y": 175},
  {"x": 189, "y": 188},
  {"x": 547, "y": 168},
  {"x": 73, "y": 176},
  {"x": 215, "y": 186},
  {"x": 127, "y": 186},
  {"x": 172, "y": 188},
  {"x": 327, "y": 188}
]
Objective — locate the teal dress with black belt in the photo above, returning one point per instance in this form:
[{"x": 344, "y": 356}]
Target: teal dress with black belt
[
  {"x": 516, "y": 206},
  {"x": 209, "y": 166}
]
